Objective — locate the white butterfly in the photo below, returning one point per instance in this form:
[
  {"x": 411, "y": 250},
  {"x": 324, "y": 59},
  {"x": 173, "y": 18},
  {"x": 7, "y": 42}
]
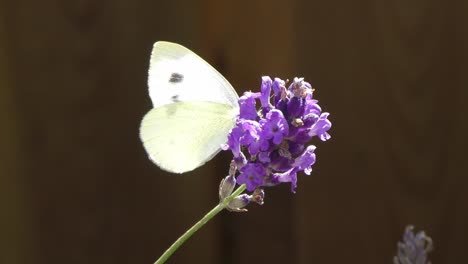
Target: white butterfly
[{"x": 194, "y": 109}]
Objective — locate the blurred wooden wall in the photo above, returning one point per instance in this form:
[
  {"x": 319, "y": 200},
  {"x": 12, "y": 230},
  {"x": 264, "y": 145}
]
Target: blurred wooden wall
[{"x": 76, "y": 185}]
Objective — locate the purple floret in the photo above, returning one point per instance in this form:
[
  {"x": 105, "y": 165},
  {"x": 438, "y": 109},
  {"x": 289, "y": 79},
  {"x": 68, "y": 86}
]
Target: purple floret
[
  {"x": 274, "y": 127},
  {"x": 252, "y": 175}
]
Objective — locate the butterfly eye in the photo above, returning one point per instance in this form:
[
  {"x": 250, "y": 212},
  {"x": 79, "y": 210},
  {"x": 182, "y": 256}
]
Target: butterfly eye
[{"x": 176, "y": 78}]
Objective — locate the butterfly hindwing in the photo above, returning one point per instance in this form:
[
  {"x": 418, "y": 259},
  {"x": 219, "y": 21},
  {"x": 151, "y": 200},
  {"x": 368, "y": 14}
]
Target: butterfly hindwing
[{"x": 182, "y": 136}]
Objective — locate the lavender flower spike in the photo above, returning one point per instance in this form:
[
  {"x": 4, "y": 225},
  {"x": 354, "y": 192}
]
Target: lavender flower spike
[
  {"x": 414, "y": 248},
  {"x": 270, "y": 141}
]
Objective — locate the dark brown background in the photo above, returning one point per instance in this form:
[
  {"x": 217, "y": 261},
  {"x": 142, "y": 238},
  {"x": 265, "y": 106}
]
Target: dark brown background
[{"x": 76, "y": 185}]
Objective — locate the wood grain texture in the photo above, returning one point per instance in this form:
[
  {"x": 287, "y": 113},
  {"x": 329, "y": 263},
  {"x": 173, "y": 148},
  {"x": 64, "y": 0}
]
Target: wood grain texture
[
  {"x": 392, "y": 75},
  {"x": 80, "y": 70},
  {"x": 15, "y": 223},
  {"x": 253, "y": 44}
]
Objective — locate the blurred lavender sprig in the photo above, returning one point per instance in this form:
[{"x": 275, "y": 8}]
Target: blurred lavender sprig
[{"x": 414, "y": 248}]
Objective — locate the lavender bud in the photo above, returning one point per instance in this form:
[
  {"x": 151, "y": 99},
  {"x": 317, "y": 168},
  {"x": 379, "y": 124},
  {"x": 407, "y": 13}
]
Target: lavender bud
[
  {"x": 258, "y": 195},
  {"x": 238, "y": 203},
  {"x": 226, "y": 187},
  {"x": 297, "y": 122},
  {"x": 232, "y": 168}
]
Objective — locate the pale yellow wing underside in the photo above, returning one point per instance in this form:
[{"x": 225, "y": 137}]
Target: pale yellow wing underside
[{"x": 182, "y": 136}]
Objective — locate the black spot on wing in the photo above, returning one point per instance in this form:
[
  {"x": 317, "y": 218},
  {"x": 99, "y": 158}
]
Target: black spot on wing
[
  {"x": 176, "y": 78},
  {"x": 175, "y": 98}
]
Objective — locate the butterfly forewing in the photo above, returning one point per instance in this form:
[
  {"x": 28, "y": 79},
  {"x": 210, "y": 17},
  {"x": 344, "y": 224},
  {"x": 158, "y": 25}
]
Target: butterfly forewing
[{"x": 177, "y": 74}]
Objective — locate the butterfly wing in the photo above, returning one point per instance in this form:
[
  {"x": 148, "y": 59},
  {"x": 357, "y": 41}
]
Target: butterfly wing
[
  {"x": 176, "y": 74},
  {"x": 194, "y": 109},
  {"x": 182, "y": 136}
]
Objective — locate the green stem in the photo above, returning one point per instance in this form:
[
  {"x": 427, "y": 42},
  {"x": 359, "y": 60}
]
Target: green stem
[{"x": 218, "y": 208}]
